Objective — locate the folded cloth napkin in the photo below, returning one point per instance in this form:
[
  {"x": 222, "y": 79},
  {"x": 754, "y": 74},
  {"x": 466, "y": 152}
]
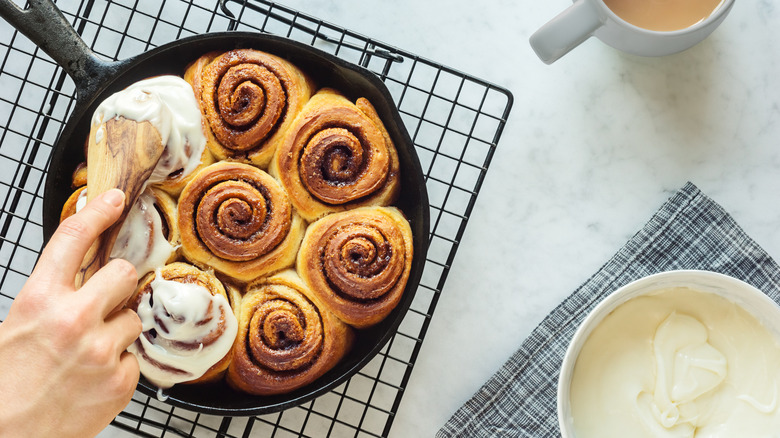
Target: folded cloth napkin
[{"x": 690, "y": 231}]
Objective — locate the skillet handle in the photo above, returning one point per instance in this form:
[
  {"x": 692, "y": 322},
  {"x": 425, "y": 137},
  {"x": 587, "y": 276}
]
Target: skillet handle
[{"x": 44, "y": 25}]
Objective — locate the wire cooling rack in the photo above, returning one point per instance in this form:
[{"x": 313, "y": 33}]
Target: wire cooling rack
[{"x": 455, "y": 121}]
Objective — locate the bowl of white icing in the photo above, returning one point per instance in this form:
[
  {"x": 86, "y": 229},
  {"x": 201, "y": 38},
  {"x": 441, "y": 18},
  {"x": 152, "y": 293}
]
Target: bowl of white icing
[{"x": 676, "y": 354}]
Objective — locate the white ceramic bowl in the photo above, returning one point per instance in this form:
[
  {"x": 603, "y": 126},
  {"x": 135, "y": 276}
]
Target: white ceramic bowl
[{"x": 746, "y": 296}]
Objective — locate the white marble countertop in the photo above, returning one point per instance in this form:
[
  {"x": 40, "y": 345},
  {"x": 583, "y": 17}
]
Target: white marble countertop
[{"x": 594, "y": 145}]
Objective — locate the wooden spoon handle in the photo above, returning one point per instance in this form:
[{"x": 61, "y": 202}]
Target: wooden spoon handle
[{"x": 122, "y": 154}]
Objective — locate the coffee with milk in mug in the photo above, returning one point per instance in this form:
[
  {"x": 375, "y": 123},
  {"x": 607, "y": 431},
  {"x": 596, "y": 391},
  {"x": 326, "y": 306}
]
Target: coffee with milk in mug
[
  {"x": 640, "y": 27},
  {"x": 663, "y": 15}
]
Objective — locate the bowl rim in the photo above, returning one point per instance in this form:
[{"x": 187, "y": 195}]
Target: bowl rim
[{"x": 745, "y": 295}]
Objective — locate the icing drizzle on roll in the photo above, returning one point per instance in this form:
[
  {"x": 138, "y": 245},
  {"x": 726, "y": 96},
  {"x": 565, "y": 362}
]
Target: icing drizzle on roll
[
  {"x": 141, "y": 240},
  {"x": 186, "y": 330}
]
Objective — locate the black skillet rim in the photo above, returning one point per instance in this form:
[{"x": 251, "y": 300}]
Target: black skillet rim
[{"x": 345, "y": 76}]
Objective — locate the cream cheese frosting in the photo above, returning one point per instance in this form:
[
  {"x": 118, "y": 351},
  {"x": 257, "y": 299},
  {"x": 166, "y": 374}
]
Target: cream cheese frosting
[
  {"x": 140, "y": 239},
  {"x": 169, "y": 104},
  {"x": 677, "y": 363},
  {"x": 181, "y": 315}
]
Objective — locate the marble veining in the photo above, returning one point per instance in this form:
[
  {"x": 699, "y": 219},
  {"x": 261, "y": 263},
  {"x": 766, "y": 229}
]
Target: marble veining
[{"x": 595, "y": 144}]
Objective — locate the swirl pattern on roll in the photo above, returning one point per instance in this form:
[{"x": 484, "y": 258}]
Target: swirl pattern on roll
[
  {"x": 357, "y": 262},
  {"x": 337, "y": 156},
  {"x": 188, "y": 326},
  {"x": 237, "y": 219},
  {"x": 248, "y": 98},
  {"x": 285, "y": 339}
]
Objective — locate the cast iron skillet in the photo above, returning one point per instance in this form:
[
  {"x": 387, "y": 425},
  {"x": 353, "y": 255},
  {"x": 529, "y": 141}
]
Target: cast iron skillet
[{"x": 96, "y": 79}]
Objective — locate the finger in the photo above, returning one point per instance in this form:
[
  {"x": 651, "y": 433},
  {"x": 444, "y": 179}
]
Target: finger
[
  {"x": 111, "y": 286},
  {"x": 128, "y": 364},
  {"x": 65, "y": 251},
  {"x": 124, "y": 326}
]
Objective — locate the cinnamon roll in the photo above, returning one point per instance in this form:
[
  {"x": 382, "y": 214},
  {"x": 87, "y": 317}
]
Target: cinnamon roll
[
  {"x": 188, "y": 326},
  {"x": 193, "y": 74},
  {"x": 74, "y": 203},
  {"x": 337, "y": 156},
  {"x": 357, "y": 262},
  {"x": 179, "y": 170},
  {"x": 237, "y": 219},
  {"x": 149, "y": 236},
  {"x": 286, "y": 340},
  {"x": 248, "y": 98},
  {"x": 78, "y": 198},
  {"x": 79, "y": 178}
]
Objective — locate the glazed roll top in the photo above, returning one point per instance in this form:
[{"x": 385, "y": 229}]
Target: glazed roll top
[
  {"x": 357, "y": 262},
  {"x": 149, "y": 236},
  {"x": 337, "y": 156},
  {"x": 249, "y": 98},
  {"x": 188, "y": 326},
  {"x": 237, "y": 219},
  {"x": 285, "y": 338}
]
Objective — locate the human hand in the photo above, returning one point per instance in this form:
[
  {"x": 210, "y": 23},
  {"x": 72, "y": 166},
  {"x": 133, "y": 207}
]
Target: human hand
[{"x": 65, "y": 371}]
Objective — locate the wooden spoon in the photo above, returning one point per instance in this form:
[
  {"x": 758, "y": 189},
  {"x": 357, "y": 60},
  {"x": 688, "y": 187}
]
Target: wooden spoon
[{"x": 122, "y": 154}]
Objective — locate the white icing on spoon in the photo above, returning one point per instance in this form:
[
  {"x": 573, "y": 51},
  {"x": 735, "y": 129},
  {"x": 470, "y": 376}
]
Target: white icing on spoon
[{"x": 169, "y": 104}]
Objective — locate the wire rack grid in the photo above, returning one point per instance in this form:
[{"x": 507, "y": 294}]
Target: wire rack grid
[{"x": 455, "y": 120}]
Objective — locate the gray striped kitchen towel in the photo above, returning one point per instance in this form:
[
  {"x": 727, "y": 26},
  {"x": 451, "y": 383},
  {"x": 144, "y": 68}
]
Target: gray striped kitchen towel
[{"x": 690, "y": 231}]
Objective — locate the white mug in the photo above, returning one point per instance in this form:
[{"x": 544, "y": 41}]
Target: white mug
[{"x": 586, "y": 18}]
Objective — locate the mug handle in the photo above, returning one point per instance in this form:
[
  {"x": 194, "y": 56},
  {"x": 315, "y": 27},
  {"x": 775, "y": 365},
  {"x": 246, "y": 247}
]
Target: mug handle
[{"x": 566, "y": 31}]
